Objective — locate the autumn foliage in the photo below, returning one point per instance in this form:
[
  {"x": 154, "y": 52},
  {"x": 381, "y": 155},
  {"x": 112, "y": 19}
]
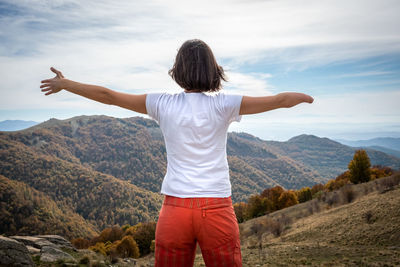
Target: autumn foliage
[
  {"x": 125, "y": 241},
  {"x": 271, "y": 199},
  {"x": 276, "y": 198}
]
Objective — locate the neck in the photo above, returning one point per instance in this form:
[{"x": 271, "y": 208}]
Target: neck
[{"x": 192, "y": 91}]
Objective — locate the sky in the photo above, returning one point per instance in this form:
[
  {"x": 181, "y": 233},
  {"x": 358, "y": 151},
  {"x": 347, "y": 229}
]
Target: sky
[{"x": 346, "y": 54}]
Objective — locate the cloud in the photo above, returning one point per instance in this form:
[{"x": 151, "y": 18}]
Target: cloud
[{"x": 130, "y": 46}]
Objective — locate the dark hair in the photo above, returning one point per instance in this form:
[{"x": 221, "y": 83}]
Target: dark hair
[{"x": 195, "y": 68}]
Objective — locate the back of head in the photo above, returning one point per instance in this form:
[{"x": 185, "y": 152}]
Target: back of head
[{"x": 195, "y": 68}]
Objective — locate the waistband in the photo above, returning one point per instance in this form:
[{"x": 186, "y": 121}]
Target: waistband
[{"x": 198, "y": 202}]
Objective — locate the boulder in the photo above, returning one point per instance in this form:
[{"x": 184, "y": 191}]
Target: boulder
[
  {"x": 58, "y": 240},
  {"x": 45, "y": 243},
  {"x": 27, "y": 240},
  {"x": 53, "y": 254},
  {"x": 14, "y": 253}
]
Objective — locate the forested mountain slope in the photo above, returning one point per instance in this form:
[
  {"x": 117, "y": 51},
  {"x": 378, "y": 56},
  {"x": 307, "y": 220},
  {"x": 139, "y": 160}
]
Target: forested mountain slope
[{"x": 109, "y": 171}]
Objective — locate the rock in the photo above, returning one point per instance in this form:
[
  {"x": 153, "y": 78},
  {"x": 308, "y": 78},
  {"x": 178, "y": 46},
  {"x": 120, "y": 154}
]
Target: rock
[
  {"x": 52, "y": 254},
  {"x": 27, "y": 240},
  {"x": 14, "y": 253},
  {"x": 45, "y": 243},
  {"x": 33, "y": 241},
  {"x": 58, "y": 240},
  {"x": 33, "y": 250}
]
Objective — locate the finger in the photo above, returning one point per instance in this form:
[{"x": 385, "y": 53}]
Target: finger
[
  {"x": 45, "y": 85},
  {"x": 59, "y": 74},
  {"x": 49, "y": 93},
  {"x": 46, "y": 89},
  {"x": 47, "y": 81}
]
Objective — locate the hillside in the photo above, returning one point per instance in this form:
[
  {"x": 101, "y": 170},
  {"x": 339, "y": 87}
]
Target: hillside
[
  {"x": 24, "y": 210},
  {"x": 332, "y": 230},
  {"x": 364, "y": 232},
  {"x": 101, "y": 199}
]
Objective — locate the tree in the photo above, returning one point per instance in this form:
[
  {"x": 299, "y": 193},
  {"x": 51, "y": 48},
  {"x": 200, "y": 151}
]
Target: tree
[
  {"x": 287, "y": 199},
  {"x": 316, "y": 188},
  {"x": 359, "y": 167},
  {"x": 273, "y": 195},
  {"x": 240, "y": 211},
  {"x": 255, "y": 207},
  {"x": 304, "y": 194}
]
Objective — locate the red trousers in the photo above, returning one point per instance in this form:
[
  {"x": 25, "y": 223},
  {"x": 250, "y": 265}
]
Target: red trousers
[{"x": 209, "y": 221}]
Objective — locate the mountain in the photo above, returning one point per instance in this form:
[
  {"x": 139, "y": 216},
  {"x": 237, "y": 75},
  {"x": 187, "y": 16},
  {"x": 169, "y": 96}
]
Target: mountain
[
  {"x": 386, "y": 142},
  {"x": 109, "y": 170},
  {"x": 388, "y": 151},
  {"x": 16, "y": 125},
  {"x": 133, "y": 150},
  {"x": 323, "y": 156}
]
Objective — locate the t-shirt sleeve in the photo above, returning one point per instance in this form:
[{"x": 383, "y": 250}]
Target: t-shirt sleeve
[
  {"x": 153, "y": 105},
  {"x": 231, "y": 107}
]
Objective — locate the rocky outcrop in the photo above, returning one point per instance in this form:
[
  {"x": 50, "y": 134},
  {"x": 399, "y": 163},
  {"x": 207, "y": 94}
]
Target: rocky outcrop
[
  {"x": 14, "y": 253},
  {"x": 52, "y": 254},
  {"x": 39, "y": 241},
  {"x": 60, "y": 241},
  {"x": 18, "y": 250}
]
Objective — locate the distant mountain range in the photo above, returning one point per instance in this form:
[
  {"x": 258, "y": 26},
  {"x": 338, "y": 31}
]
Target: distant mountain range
[
  {"x": 16, "y": 125},
  {"x": 109, "y": 171},
  {"x": 388, "y": 145}
]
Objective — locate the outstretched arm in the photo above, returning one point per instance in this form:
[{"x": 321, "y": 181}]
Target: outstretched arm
[
  {"x": 97, "y": 93},
  {"x": 253, "y": 105}
]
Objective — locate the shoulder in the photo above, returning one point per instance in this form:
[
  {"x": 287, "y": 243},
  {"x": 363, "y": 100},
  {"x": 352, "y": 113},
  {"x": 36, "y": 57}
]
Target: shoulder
[
  {"x": 225, "y": 98},
  {"x": 154, "y": 97}
]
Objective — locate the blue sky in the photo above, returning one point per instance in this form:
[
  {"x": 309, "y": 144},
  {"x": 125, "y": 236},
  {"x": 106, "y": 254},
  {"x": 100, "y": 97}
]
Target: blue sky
[{"x": 346, "y": 54}]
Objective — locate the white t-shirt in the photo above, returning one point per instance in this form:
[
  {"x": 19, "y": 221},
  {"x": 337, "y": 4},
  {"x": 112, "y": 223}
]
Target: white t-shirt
[{"x": 195, "y": 128}]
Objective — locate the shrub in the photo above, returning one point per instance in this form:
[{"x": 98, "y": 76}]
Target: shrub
[
  {"x": 257, "y": 228},
  {"x": 389, "y": 182},
  {"x": 143, "y": 235},
  {"x": 348, "y": 194},
  {"x": 99, "y": 247},
  {"x": 80, "y": 243},
  {"x": 316, "y": 188},
  {"x": 304, "y": 194},
  {"x": 368, "y": 216},
  {"x": 85, "y": 260},
  {"x": 111, "y": 234},
  {"x": 127, "y": 247},
  {"x": 332, "y": 199},
  {"x": 124, "y": 227},
  {"x": 315, "y": 206},
  {"x": 285, "y": 220},
  {"x": 318, "y": 195},
  {"x": 378, "y": 171},
  {"x": 274, "y": 227}
]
